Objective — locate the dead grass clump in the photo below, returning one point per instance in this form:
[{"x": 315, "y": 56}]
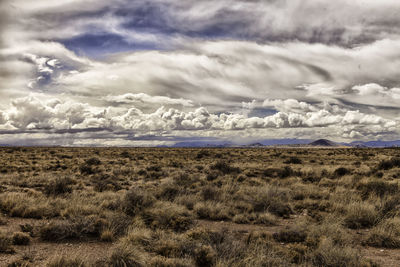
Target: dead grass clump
[
  {"x": 166, "y": 215},
  {"x": 341, "y": 171},
  {"x": 329, "y": 255},
  {"x": 107, "y": 235},
  {"x": 20, "y": 239},
  {"x": 209, "y": 192},
  {"x": 224, "y": 167},
  {"x": 389, "y": 164},
  {"x": 211, "y": 176},
  {"x": 265, "y": 218},
  {"x": 136, "y": 200},
  {"x": 391, "y": 206},
  {"x": 290, "y": 236},
  {"x": 205, "y": 256},
  {"x": 63, "y": 261},
  {"x": 386, "y": 234},
  {"x": 361, "y": 215},
  {"x": 76, "y": 228},
  {"x": 211, "y": 210},
  {"x": 293, "y": 160},
  {"x": 377, "y": 187},
  {"x": 125, "y": 255},
  {"x": 284, "y": 172},
  {"x": 168, "y": 191},
  {"x": 29, "y": 206},
  {"x": 272, "y": 199},
  {"x": 202, "y": 154},
  {"x": 19, "y": 263},
  {"x": 6, "y": 244},
  {"x": 59, "y": 186},
  {"x": 185, "y": 180},
  {"x": 331, "y": 226}
]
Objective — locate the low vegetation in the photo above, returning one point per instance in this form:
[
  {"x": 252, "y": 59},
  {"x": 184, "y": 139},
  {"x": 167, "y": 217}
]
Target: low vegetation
[{"x": 198, "y": 207}]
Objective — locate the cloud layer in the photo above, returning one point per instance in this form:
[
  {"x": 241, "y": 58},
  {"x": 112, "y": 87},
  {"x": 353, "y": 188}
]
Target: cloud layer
[{"x": 121, "y": 71}]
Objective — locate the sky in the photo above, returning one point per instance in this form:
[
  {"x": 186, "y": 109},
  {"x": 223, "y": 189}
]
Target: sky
[{"x": 157, "y": 72}]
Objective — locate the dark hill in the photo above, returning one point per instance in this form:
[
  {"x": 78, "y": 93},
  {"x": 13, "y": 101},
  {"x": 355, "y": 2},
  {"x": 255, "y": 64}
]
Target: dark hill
[{"x": 323, "y": 142}]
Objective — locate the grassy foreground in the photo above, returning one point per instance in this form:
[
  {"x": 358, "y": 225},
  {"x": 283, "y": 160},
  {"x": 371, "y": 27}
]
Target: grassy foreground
[{"x": 199, "y": 207}]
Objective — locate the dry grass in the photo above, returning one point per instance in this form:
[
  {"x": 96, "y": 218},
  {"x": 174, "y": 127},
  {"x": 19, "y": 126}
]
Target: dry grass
[{"x": 199, "y": 207}]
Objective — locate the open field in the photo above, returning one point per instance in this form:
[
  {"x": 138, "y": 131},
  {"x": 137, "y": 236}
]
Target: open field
[{"x": 199, "y": 207}]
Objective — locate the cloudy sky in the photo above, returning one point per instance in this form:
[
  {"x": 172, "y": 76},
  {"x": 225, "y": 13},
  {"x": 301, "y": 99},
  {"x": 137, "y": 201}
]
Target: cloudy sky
[{"x": 155, "y": 72}]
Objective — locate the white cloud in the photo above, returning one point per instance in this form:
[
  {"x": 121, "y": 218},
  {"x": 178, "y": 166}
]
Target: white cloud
[{"x": 145, "y": 98}]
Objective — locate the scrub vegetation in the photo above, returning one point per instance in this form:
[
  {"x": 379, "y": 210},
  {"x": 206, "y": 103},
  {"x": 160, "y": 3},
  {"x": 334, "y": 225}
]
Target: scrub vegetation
[{"x": 199, "y": 207}]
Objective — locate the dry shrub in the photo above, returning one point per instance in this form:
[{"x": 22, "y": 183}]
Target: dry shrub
[
  {"x": 272, "y": 199},
  {"x": 386, "y": 234},
  {"x": 59, "y": 186},
  {"x": 211, "y": 210},
  {"x": 361, "y": 215},
  {"x": 21, "y": 239},
  {"x": 389, "y": 164},
  {"x": 255, "y": 218},
  {"x": 5, "y": 244},
  {"x": 377, "y": 187},
  {"x": 168, "y": 191},
  {"x": 332, "y": 227},
  {"x": 75, "y": 228},
  {"x": 329, "y": 255},
  {"x": 341, "y": 171},
  {"x": 293, "y": 160},
  {"x": 136, "y": 200},
  {"x": 205, "y": 256},
  {"x": 209, "y": 192},
  {"x": 103, "y": 182},
  {"x": 290, "y": 236}
]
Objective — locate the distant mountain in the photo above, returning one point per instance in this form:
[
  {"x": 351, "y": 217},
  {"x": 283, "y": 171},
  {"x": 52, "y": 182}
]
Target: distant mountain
[
  {"x": 323, "y": 142},
  {"x": 287, "y": 142},
  {"x": 378, "y": 143}
]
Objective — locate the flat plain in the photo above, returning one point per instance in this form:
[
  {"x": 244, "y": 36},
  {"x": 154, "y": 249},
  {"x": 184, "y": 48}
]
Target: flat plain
[{"x": 199, "y": 206}]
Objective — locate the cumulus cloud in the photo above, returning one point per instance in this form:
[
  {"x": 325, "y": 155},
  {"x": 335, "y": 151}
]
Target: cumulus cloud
[{"x": 30, "y": 113}]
